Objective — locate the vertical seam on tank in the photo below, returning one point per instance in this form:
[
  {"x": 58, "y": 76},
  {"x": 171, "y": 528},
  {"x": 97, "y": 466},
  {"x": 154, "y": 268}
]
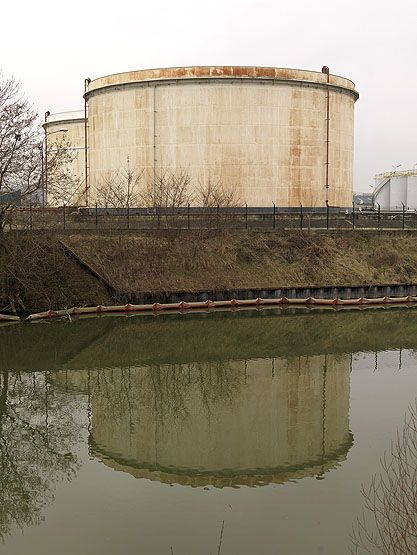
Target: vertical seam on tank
[
  {"x": 87, "y": 82},
  {"x": 154, "y": 138},
  {"x": 86, "y": 149},
  {"x": 327, "y": 136}
]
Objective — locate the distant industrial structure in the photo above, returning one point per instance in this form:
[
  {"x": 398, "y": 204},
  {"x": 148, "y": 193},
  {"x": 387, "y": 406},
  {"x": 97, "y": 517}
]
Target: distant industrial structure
[
  {"x": 67, "y": 126},
  {"x": 273, "y": 135},
  {"x": 363, "y": 200},
  {"x": 395, "y": 190},
  {"x": 12, "y": 197}
]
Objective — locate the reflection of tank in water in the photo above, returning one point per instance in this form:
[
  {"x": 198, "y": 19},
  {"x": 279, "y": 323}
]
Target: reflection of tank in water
[{"x": 223, "y": 423}]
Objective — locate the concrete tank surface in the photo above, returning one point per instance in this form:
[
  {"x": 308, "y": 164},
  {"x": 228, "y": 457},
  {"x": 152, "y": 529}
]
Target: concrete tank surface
[
  {"x": 260, "y": 131},
  {"x": 69, "y": 128}
]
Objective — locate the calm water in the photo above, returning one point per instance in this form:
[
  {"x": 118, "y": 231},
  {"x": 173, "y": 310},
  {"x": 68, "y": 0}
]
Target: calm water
[{"x": 151, "y": 434}]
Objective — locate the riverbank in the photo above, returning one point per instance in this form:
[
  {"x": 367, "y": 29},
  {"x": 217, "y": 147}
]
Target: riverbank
[{"x": 36, "y": 275}]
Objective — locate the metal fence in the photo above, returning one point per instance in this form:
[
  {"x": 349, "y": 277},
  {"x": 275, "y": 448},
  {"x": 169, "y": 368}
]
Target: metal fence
[{"x": 189, "y": 217}]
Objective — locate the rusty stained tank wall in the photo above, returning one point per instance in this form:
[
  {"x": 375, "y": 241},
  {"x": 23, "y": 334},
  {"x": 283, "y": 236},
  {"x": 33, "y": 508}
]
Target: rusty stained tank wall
[
  {"x": 73, "y": 123},
  {"x": 260, "y": 131},
  {"x": 229, "y": 418}
]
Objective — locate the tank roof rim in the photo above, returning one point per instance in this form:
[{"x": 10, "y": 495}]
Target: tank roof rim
[
  {"x": 159, "y": 82},
  {"x": 70, "y": 115},
  {"x": 193, "y": 67}
]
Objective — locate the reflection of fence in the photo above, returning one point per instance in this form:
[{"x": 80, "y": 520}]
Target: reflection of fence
[{"x": 190, "y": 217}]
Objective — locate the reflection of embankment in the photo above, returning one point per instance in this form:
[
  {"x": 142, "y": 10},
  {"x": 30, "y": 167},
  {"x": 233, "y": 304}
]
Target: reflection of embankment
[
  {"x": 116, "y": 342},
  {"x": 220, "y": 423}
]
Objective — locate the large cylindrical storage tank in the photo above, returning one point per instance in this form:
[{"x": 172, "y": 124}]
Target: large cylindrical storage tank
[
  {"x": 273, "y": 135},
  {"x": 66, "y": 129}
]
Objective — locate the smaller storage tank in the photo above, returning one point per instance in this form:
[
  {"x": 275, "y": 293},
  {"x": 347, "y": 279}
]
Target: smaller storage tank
[
  {"x": 65, "y": 129},
  {"x": 394, "y": 189}
]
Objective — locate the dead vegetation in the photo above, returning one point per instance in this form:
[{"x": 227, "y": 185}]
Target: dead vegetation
[
  {"x": 36, "y": 275},
  {"x": 389, "y": 522},
  {"x": 120, "y": 189},
  {"x": 25, "y": 166},
  {"x": 231, "y": 260}
]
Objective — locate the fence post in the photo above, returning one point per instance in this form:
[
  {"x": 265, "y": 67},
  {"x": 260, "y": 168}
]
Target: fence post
[
  {"x": 327, "y": 215},
  {"x": 96, "y": 216},
  {"x": 353, "y": 215},
  {"x": 218, "y": 216},
  {"x": 379, "y": 216},
  {"x": 128, "y": 216},
  {"x": 273, "y": 218},
  {"x": 30, "y": 217},
  {"x": 188, "y": 216},
  {"x": 403, "y": 215},
  {"x": 63, "y": 213},
  {"x": 246, "y": 215},
  {"x": 301, "y": 217}
]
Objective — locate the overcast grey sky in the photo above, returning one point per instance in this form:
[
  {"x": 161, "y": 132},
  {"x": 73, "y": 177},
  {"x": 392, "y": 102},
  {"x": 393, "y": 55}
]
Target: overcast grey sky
[{"x": 51, "y": 46}]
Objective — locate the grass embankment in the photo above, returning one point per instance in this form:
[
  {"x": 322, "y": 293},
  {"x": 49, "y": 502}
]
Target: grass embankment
[
  {"x": 196, "y": 261},
  {"x": 35, "y": 275}
]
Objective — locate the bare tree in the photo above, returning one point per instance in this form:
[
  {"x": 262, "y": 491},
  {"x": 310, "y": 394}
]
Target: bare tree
[
  {"x": 21, "y": 152},
  {"x": 19, "y": 146},
  {"x": 168, "y": 189},
  {"x": 213, "y": 193},
  {"x": 166, "y": 192},
  {"x": 389, "y": 523},
  {"x": 214, "y": 197},
  {"x": 120, "y": 188}
]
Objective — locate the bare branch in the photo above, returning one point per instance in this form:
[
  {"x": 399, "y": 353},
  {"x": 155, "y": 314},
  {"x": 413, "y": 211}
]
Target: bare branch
[
  {"x": 120, "y": 188},
  {"x": 213, "y": 193},
  {"x": 21, "y": 155},
  {"x": 389, "y": 523},
  {"x": 168, "y": 189}
]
